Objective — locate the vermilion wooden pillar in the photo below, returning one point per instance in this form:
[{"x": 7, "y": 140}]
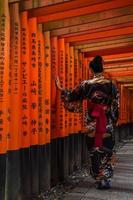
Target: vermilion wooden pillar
[
  {"x": 54, "y": 132},
  {"x": 4, "y": 95}
]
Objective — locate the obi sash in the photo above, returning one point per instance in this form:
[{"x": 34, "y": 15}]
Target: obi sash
[{"x": 98, "y": 112}]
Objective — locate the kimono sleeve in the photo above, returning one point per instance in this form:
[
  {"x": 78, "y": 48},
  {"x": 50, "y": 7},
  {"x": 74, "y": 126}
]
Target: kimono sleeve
[{"x": 73, "y": 98}]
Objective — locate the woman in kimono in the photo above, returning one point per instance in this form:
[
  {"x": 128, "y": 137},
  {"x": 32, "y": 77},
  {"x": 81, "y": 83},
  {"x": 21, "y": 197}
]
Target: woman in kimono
[{"x": 100, "y": 119}]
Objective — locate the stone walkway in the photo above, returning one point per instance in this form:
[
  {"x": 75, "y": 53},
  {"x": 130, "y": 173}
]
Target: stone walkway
[{"x": 122, "y": 182}]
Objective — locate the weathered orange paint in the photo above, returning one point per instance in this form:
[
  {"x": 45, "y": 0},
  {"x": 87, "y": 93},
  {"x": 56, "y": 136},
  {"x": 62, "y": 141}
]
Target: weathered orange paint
[
  {"x": 67, "y": 64},
  {"x": 76, "y": 81},
  {"x": 61, "y": 72},
  {"x": 85, "y": 10},
  {"x": 47, "y": 85},
  {"x": 62, "y": 7},
  {"x": 71, "y": 86},
  {"x": 93, "y": 27},
  {"x": 4, "y": 70},
  {"x": 104, "y": 34},
  {"x": 115, "y": 51},
  {"x": 54, "y": 74},
  {"x": 15, "y": 114},
  {"x": 81, "y": 57},
  {"x": 33, "y": 81},
  {"x": 41, "y": 88},
  {"x": 25, "y": 80},
  {"x": 123, "y": 55}
]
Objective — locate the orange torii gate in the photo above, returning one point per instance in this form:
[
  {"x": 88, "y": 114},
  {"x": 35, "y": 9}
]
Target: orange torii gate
[{"x": 51, "y": 40}]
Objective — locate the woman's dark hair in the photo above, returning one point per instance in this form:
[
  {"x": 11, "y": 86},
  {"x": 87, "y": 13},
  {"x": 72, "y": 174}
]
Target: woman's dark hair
[{"x": 97, "y": 64}]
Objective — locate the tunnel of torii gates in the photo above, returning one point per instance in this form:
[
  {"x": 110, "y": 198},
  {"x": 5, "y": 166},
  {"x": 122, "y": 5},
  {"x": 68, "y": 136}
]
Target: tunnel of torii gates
[{"x": 40, "y": 142}]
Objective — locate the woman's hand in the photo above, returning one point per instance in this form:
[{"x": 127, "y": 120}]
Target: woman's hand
[{"x": 58, "y": 85}]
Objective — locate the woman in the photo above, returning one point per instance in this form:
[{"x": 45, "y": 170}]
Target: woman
[{"x": 101, "y": 117}]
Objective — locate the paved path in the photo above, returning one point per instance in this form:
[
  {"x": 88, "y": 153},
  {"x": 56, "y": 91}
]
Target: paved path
[{"x": 122, "y": 182}]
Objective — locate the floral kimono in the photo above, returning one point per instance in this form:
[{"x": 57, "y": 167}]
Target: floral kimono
[{"x": 100, "y": 119}]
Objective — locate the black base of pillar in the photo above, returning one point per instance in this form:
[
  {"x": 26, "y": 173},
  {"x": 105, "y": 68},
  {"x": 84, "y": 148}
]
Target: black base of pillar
[
  {"x": 13, "y": 181},
  {"x": 2, "y": 175},
  {"x": 54, "y": 167},
  {"x": 44, "y": 167},
  {"x": 25, "y": 173},
  {"x": 71, "y": 153},
  {"x": 62, "y": 158}
]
